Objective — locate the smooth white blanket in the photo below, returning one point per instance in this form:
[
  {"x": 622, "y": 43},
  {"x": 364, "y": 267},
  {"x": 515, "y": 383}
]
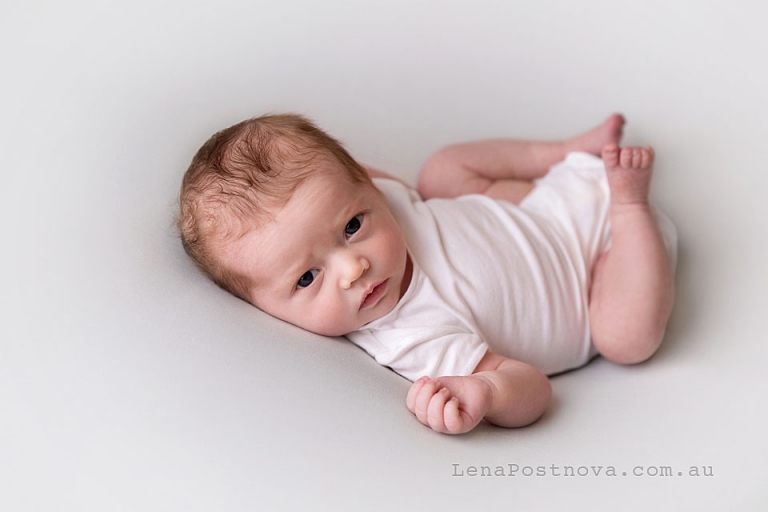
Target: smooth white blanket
[{"x": 129, "y": 382}]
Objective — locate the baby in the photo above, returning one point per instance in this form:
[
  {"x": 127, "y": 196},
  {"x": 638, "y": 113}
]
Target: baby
[{"x": 510, "y": 261}]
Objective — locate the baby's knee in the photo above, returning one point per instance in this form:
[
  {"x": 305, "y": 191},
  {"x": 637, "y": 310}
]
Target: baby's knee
[
  {"x": 628, "y": 348},
  {"x": 432, "y": 176}
]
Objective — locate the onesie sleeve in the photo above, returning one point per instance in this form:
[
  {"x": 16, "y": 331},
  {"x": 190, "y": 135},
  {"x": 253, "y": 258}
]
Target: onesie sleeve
[{"x": 415, "y": 352}]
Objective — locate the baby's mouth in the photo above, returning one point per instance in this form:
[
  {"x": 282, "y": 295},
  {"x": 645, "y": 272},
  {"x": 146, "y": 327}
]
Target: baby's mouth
[{"x": 373, "y": 295}]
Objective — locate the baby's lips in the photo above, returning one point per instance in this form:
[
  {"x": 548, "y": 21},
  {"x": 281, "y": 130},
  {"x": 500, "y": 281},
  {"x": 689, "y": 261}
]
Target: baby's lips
[{"x": 375, "y": 291}]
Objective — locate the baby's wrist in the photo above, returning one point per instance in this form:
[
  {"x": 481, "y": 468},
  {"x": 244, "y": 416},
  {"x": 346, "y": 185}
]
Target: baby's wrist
[{"x": 492, "y": 390}]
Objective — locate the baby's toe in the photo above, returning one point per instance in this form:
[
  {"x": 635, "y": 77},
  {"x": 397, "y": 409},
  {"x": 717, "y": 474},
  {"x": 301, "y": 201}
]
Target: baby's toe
[
  {"x": 611, "y": 155},
  {"x": 625, "y": 157},
  {"x": 647, "y": 157}
]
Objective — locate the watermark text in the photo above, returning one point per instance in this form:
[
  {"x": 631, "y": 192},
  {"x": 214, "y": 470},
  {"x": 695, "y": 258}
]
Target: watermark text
[{"x": 579, "y": 471}]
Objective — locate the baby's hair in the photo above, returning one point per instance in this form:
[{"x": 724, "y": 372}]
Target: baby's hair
[{"x": 240, "y": 175}]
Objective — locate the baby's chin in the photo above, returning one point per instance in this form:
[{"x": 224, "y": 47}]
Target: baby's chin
[
  {"x": 340, "y": 330},
  {"x": 379, "y": 314},
  {"x": 332, "y": 330},
  {"x": 343, "y": 330}
]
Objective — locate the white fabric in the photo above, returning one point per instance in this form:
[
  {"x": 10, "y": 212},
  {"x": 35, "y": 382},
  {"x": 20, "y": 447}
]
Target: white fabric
[{"x": 490, "y": 274}]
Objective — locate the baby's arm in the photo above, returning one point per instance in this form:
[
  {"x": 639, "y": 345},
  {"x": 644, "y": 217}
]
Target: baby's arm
[{"x": 505, "y": 392}]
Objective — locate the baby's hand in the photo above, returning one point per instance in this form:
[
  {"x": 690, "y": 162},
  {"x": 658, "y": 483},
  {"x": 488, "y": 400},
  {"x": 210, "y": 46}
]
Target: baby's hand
[{"x": 452, "y": 405}]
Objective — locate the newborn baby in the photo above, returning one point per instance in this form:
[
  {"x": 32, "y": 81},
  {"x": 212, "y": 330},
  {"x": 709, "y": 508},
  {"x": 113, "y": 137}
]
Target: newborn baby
[{"x": 512, "y": 260}]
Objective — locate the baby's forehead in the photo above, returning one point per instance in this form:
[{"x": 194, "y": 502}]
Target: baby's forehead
[{"x": 260, "y": 254}]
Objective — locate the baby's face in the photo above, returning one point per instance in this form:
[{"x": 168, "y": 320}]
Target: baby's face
[{"x": 333, "y": 260}]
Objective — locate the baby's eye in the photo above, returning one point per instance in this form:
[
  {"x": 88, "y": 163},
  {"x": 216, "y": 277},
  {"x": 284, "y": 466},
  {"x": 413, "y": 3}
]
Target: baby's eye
[
  {"x": 306, "y": 279},
  {"x": 354, "y": 225}
]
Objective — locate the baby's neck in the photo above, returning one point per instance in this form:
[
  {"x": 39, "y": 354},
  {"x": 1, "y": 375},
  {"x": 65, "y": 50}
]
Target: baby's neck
[{"x": 407, "y": 275}]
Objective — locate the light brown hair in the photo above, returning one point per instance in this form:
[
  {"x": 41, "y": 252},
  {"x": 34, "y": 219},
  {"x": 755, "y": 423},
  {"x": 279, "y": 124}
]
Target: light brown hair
[{"x": 243, "y": 172}]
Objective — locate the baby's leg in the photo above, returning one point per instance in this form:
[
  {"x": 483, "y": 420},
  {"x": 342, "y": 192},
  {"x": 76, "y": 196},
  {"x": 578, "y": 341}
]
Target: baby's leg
[
  {"x": 505, "y": 168},
  {"x": 632, "y": 285}
]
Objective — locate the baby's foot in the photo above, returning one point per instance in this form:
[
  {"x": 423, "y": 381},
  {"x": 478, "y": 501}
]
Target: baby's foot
[
  {"x": 593, "y": 141},
  {"x": 629, "y": 173}
]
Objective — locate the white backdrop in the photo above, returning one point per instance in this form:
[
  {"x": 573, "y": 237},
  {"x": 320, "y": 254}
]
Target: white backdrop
[{"x": 128, "y": 382}]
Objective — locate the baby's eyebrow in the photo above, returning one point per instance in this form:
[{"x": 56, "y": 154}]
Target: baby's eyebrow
[
  {"x": 287, "y": 277},
  {"x": 287, "y": 281}
]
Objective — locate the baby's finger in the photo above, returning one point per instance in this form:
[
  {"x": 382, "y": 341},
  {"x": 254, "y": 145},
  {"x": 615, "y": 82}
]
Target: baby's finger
[
  {"x": 410, "y": 399},
  {"x": 454, "y": 423},
  {"x": 437, "y": 409},
  {"x": 421, "y": 406}
]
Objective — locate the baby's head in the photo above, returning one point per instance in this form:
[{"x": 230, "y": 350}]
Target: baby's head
[{"x": 277, "y": 212}]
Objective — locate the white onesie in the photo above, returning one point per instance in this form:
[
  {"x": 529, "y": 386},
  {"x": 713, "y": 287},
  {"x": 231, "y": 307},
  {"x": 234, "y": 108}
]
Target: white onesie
[{"x": 488, "y": 274}]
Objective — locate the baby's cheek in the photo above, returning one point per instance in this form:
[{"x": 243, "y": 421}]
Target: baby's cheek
[
  {"x": 330, "y": 320},
  {"x": 382, "y": 242},
  {"x": 393, "y": 247}
]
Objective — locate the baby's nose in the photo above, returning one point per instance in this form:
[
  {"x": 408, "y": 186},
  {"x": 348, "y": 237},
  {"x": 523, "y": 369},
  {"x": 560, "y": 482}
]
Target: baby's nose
[{"x": 355, "y": 268}]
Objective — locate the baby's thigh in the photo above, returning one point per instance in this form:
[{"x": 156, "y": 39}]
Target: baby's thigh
[{"x": 514, "y": 191}]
